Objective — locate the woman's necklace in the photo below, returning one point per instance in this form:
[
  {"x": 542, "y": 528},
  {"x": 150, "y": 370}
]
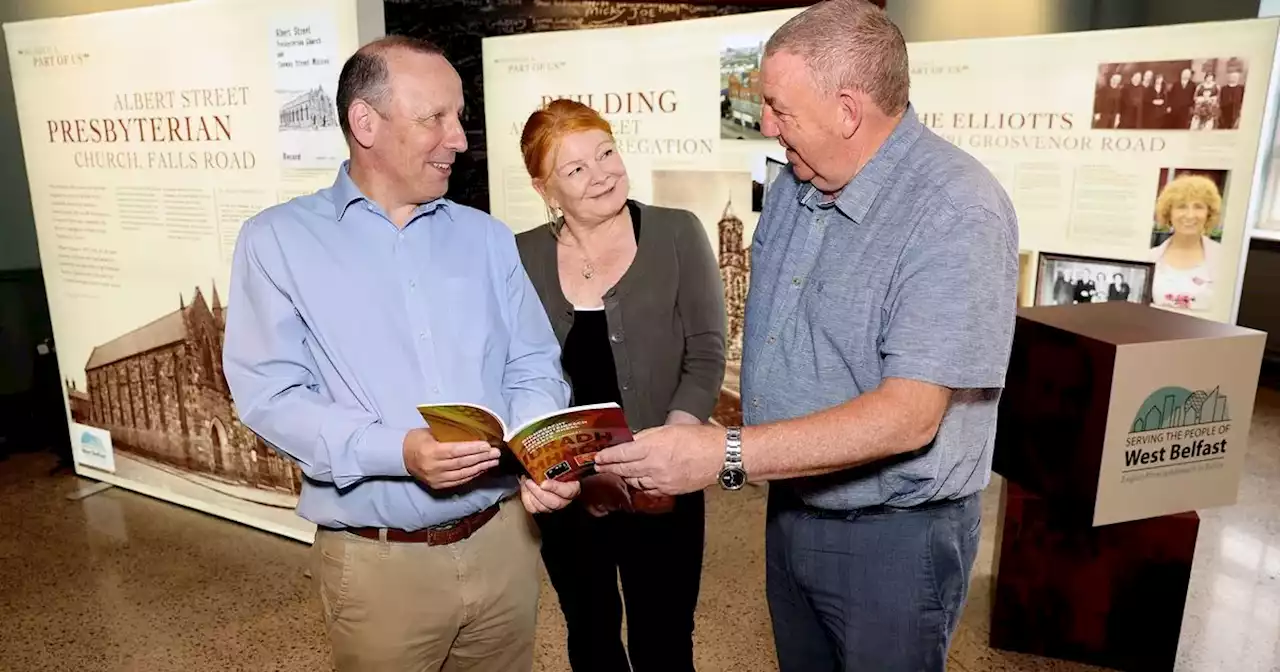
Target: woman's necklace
[{"x": 588, "y": 269}]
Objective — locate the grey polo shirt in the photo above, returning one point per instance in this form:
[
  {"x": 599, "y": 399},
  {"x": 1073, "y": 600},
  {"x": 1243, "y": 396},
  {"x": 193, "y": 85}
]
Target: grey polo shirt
[{"x": 911, "y": 273}]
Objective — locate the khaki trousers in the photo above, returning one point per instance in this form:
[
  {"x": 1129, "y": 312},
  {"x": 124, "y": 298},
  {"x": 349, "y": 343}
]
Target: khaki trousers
[{"x": 470, "y": 606}]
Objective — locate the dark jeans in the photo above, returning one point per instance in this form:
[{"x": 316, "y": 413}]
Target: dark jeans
[
  {"x": 658, "y": 556},
  {"x": 876, "y": 591}
]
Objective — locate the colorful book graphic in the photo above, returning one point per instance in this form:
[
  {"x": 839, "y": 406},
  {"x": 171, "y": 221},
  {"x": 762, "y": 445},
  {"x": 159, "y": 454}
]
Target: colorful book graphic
[{"x": 560, "y": 445}]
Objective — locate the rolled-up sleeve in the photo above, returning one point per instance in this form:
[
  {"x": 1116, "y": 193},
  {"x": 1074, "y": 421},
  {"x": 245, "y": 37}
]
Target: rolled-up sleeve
[
  {"x": 952, "y": 313},
  {"x": 701, "y": 306},
  {"x": 272, "y": 377}
]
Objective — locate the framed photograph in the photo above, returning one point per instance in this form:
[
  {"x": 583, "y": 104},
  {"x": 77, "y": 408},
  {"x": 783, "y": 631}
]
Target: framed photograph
[
  {"x": 1025, "y": 259},
  {"x": 1065, "y": 279},
  {"x": 772, "y": 167}
]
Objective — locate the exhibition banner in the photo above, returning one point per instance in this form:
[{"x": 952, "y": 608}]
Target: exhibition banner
[
  {"x": 145, "y": 157},
  {"x": 1085, "y": 131}
]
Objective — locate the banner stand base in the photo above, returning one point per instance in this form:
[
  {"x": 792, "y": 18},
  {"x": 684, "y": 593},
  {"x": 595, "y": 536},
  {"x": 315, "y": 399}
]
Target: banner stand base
[{"x": 89, "y": 490}]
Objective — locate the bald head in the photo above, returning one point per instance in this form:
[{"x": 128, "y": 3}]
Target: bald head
[
  {"x": 366, "y": 75},
  {"x": 849, "y": 44},
  {"x": 400, "y": 103}
]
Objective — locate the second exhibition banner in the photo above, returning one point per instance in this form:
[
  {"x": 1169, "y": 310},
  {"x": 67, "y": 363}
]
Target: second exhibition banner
[{"x": 1084, "y": 130}]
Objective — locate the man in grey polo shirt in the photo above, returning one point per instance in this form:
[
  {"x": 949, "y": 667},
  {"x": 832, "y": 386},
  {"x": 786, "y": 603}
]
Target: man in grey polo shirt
[{"x": 878, "y": 329}]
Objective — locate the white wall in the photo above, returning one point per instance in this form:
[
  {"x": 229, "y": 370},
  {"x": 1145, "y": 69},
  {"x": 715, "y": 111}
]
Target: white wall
[
  {"x": 930, "y": 20},
  {"x": 927, "y": 20}
]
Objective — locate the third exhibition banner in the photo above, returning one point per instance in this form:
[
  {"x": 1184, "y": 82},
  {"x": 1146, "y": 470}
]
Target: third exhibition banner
[{"x": 1084, "y": 130}]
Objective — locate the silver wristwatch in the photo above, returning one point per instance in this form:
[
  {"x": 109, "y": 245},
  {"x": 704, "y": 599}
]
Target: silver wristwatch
[{"x": 732, "y": 475}]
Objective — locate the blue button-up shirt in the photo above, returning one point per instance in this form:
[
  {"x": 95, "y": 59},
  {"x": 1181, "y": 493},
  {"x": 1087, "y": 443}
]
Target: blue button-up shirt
[
  {"x": 339, "y": 325},
  {"x": 911, "y": 272}
]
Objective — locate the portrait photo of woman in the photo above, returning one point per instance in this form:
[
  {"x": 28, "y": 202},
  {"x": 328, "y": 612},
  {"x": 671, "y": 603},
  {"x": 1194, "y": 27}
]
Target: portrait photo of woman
[{"x": 1188, "y": 217}]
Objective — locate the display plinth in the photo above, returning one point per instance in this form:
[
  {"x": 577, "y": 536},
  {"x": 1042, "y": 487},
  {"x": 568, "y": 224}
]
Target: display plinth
[
  {"x": 1110, "y": 595},
  {"x": 1118, "y": 421},
  {"x": 1119, "y": 411}
]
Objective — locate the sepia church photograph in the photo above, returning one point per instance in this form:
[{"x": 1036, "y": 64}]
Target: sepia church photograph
[
  {"x": 160, "y": 392},
  {"x": 722, "y": 201}
]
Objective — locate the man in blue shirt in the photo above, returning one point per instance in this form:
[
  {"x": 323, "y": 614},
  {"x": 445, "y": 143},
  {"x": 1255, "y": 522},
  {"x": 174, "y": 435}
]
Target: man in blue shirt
[
  {"x": 879, "y": 324},
  {"x": 351, "y": 306}
]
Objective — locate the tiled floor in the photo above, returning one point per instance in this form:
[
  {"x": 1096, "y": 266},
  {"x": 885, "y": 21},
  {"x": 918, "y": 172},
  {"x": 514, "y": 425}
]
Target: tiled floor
[{"x": 118, "y": 581}]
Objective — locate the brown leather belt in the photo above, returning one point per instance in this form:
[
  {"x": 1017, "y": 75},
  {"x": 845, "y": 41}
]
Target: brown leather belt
[{"x": 437, "y": 535}]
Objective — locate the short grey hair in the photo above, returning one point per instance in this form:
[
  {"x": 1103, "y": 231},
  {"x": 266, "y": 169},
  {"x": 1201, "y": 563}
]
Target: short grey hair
[{"x": 849, "y": 44}]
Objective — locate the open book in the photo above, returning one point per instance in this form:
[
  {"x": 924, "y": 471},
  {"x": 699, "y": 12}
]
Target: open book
[{"x": 560, "y": 445}]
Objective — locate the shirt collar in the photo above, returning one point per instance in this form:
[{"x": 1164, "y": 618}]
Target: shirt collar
[
  {"x": 346, "y": 193},
  {"x": 855, "y": 200}
]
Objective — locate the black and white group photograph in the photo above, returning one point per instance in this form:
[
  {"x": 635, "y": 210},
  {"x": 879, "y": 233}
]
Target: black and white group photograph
[
  {"x": 1064, "y": 280},
  {"x": 1204, "y": 94}
]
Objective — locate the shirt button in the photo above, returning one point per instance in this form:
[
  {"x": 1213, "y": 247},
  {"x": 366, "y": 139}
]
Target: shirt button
[
  {"x": 422, "y": 335},
  {"x": 755, "y": 401},
  {"x": 616, "y": 337},
  {"x": 796, "y": 281},
  {"x": 772, "y": 339}
]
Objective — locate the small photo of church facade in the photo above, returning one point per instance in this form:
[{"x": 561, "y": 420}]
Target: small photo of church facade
[{"x": 310, "y": 109}]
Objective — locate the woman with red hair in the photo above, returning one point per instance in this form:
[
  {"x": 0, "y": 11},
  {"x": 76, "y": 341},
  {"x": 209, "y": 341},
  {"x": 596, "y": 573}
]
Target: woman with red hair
[{"x": 635, "y": 297}]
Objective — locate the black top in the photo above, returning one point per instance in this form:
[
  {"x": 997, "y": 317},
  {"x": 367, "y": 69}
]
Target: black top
[
  {"x": 587, "y": 356},
  {"x": 666, "y": 356}
]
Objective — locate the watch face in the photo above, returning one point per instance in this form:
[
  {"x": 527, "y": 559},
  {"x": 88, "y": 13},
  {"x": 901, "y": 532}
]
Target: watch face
[{"x": 733, "y": 479}]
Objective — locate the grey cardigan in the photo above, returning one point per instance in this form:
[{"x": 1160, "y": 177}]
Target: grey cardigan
[{"x": 666, "y": 314}]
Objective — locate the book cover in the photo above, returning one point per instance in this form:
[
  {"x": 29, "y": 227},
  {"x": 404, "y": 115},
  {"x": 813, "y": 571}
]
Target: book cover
[{"x": 560, "y": 445}]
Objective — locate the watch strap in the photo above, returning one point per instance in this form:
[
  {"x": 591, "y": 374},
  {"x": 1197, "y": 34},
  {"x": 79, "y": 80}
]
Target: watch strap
[{"x": 733, "y": 446}]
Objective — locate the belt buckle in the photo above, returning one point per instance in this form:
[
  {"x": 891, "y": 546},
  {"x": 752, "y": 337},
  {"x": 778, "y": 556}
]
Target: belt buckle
[{"x": 446, "y": 526}]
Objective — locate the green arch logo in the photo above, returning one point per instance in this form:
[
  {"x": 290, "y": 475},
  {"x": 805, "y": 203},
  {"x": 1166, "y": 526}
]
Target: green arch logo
[{"x": 1174, "y": 407}]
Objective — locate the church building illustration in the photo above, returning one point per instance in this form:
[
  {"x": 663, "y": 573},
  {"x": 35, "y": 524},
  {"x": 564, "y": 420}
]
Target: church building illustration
[{"x": 313, "y": 108}]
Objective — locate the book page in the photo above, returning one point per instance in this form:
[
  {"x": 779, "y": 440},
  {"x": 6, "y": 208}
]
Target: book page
[
  {"x": 462, "y": 422},
  {"x": 563, "y": 446}
]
